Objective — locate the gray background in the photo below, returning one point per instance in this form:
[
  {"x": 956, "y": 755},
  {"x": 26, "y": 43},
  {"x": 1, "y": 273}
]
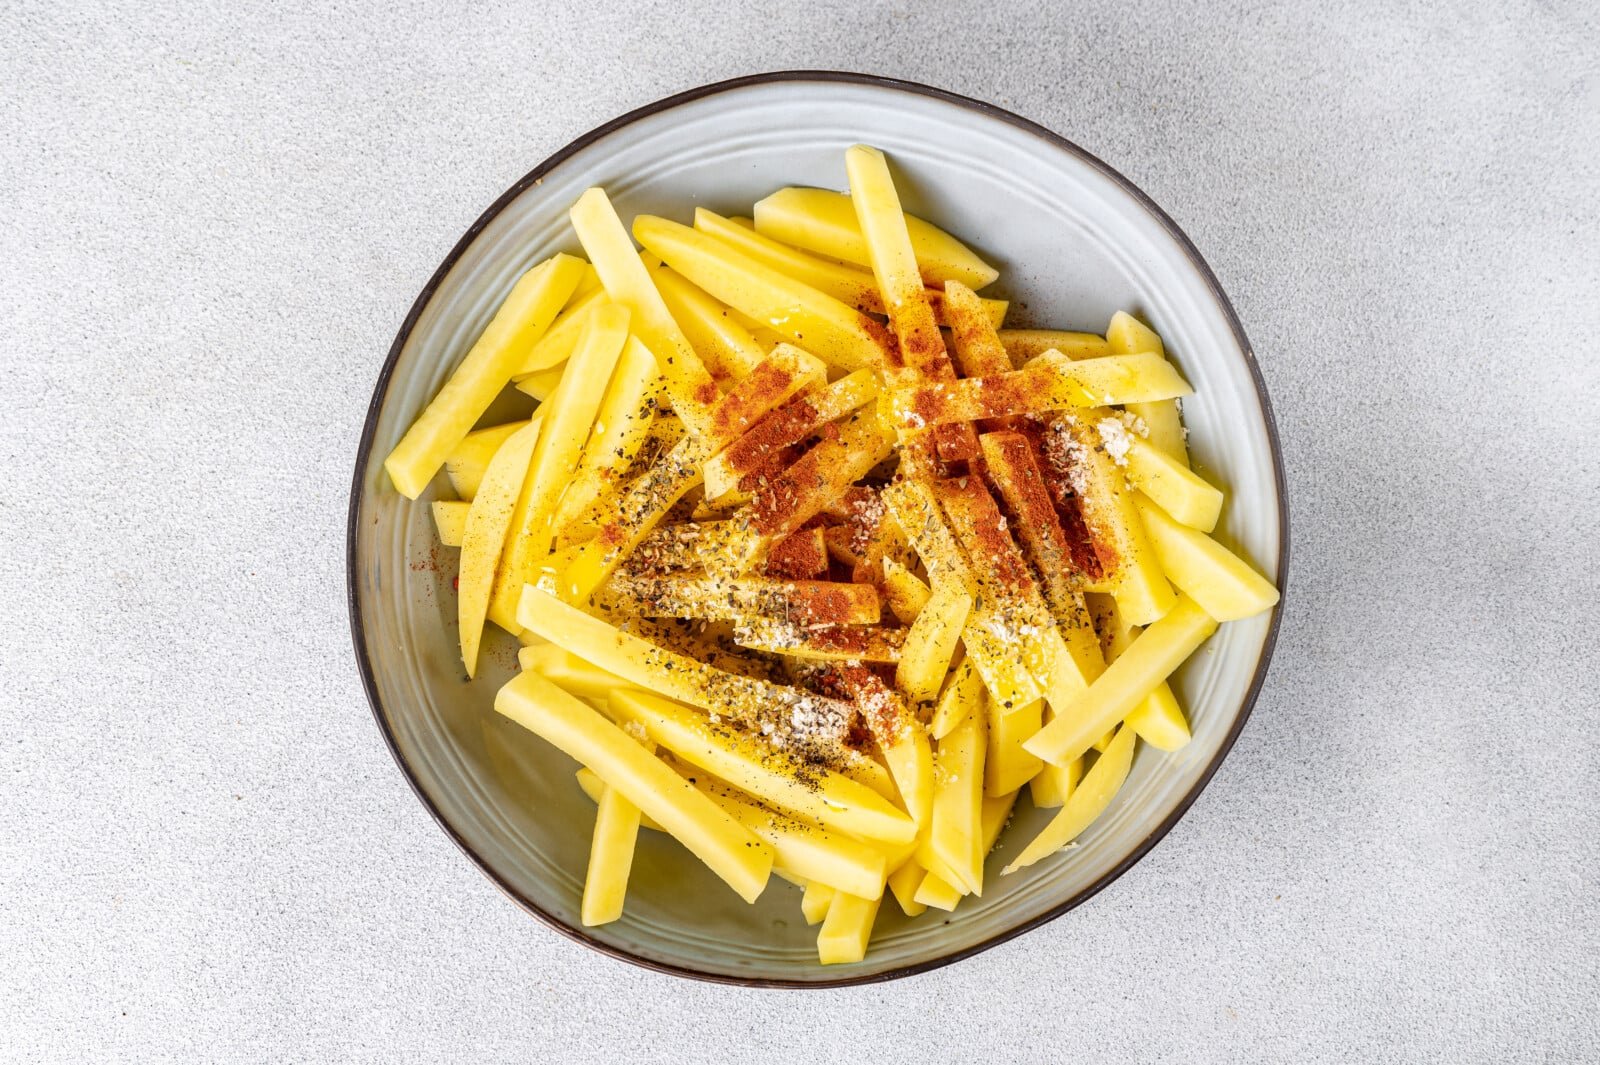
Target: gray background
[{"x": 214, "y": 223}]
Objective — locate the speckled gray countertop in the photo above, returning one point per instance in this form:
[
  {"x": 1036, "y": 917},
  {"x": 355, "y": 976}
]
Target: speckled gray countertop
[{"x": 214, "y": 223}]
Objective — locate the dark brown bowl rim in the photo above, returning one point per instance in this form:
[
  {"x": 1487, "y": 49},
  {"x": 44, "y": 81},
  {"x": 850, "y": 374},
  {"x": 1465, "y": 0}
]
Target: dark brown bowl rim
[{"x": 369, "y": 430}]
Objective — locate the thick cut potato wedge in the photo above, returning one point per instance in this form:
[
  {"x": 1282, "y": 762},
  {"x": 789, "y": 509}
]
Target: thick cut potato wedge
[
  {"x": 523, "y": 317},
  {"x": 572, "y": 673},
  {"x": 962, "y": 695},
  {"x": 1053, "y": 785},
  {"x": 826, "y": 223},
  {"x": 731, "y": 851}
]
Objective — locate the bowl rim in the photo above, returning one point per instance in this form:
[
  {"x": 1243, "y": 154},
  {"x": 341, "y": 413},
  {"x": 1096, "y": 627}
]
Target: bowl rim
[{"x": 532, "y": 178}]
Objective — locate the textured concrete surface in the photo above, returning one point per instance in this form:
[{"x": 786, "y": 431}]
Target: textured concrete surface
[{"x": 214, "y": 222}]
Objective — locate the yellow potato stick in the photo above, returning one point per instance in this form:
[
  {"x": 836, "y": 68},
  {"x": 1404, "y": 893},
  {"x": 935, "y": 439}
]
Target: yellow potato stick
[
  {"x": 1050, "y": 382},
  {"x": 939, "y": 893},
  {"x": 465, "y": 465},
  {"x": 1151, "y": 659},
  {"x": 783, "y": 372},
  {"x": 1024, "y": 345},
  {"x": 931, "y": 642},
  {"x": 962, "y": 695},
  {"x": 745, "y": 700},
  {"x": 847, "y": 284},
  {"x": 788, "y": 499},
  {"x": 996, "y": 812},
  {"x": 542, "y": 384},
  {"x": 1087, "y": 802},
  {"x": 577, "y": 676},
  {"x": 823, "y": 798},
  {"x": 567, "y": 427},
  {"x": 743, "y": 861},
  {"x": 594, "y": 787},
  {"x": 1158, "y": 719},
  {"x": 979, "y": 351},
  {"x": 1007, "y": 763},
  {"x": 724, "y": 345},
  {"x": 1013, "y": 466},
  {"x": 824, "y": 326},
  {"x": 957, "y": 828},
  {"x": 802, "y": 851},
  {"x": 524, "y": 316},
  {"x": 1062, "y": 658},
  {"x": 903, "y": 884},
  {"x": 616, "y": 830},
  {"x": 1170, "y": 484},
  {"x": 918, "y": 515},
  {"x": 638, "y": 512},
  {"x": 561, "y": 339},
  {"x": 1126, "y": 335},
  {"x": 627, "y": 281},
  {"x": 1112, "y": 518},
  {"x": 844, "y": 643},
  {"x": 746, "y": 598},
  {"x": 846, "y": 929},
  {"x": 825, "y": 223},
  {"x": 906, "y": 593},
  {"x": 900, "y": 737},
  {"x": 621, "y": 426},
  {"x": 814, "y": 903},
  {"x": 483, "y": 539},
  {"x": 920, "y": 353},
  {"x": 1052, "y": 785},
  {"x": 790, "y": 423},
  {"x": 1224, "y": 585},
  {"x": 450, "y": 517}
]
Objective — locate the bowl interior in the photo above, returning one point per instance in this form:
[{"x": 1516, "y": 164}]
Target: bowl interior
[{"x": 1074, "y": 245}]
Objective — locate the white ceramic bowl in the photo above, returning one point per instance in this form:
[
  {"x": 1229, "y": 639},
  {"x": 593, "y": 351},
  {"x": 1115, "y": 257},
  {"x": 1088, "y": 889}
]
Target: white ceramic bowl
[{"x": 1075, "y": 242}]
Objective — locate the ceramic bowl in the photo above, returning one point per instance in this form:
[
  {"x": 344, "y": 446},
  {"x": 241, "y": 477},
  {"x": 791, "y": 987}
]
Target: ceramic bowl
[{"x": 1075, "y": 242}]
